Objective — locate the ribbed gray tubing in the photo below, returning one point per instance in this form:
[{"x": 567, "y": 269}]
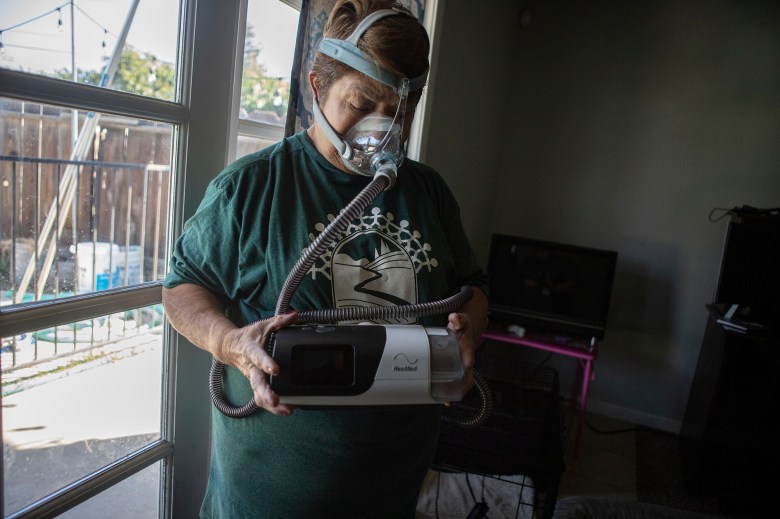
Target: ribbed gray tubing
[
  {"x": 218, "y": 395},
  {"x": 485, "y": 396},
  {"x": 298, "y": 272},
  {"x": 326, "y": 237},
  {"x": 376, "y": 313}
]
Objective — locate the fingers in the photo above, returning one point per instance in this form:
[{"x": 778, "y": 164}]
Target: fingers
[
  {"x": 264, "y": 396},
  {"x": 457, "y": 322},
  {"x": 259, "y": 333},
  {"x": 256, "y": 364}
]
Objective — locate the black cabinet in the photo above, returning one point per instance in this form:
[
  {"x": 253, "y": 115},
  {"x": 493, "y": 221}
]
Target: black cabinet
[{"x": 730, "y": 438}]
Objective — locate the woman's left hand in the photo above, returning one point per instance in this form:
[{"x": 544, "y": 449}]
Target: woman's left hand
[
  {"x": 468, "y": 323},
  {"x": 459, "y": 323}
]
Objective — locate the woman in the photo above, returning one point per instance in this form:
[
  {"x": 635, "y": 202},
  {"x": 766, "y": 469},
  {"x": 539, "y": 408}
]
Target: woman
[{"x": 409, "y": 246}]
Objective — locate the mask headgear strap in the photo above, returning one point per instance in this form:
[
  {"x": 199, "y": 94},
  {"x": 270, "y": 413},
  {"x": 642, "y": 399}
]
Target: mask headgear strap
[
  {"x": 347, "y": 52},
  {"x": 344, "y": 149}
]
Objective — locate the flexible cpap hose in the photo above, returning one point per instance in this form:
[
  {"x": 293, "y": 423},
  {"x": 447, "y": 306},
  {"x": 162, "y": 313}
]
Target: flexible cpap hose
[
  {"x": 375, "y": 313},
  {"x": 485, "y": 408},
  {"x": 354, "y": 209}
]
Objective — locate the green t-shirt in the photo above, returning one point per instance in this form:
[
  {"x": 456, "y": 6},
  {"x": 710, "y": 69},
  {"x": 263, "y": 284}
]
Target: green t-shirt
[{"x": 255, "y": 220}]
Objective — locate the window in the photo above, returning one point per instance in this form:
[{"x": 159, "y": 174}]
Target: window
[
  {"x": 78, "y": 218},
  {"x": 102, "y": 43},
  {"x": 89, "y": 205},
  {"x": 271, "y": 28},
  {"x": 79, "y": 397},
  {"x": 81, "y": 215}
]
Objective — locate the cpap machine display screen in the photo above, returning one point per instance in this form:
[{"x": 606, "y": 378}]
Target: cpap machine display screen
[
  {"x": 366, "y": 364},
  {"x": 323, "y": 365}
]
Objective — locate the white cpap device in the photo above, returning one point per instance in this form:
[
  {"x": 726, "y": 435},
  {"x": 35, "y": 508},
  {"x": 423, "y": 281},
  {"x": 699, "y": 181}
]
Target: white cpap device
[{"x": 364, "y": 364}]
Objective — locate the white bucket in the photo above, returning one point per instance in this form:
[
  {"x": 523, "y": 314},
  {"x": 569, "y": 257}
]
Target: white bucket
[
  {"x": 96, "y": 270},
  {"x": 128, "y": 261}
]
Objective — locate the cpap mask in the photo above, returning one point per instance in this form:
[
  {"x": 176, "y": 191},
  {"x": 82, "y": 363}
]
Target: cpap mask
[{"x": 374, "y": 146}]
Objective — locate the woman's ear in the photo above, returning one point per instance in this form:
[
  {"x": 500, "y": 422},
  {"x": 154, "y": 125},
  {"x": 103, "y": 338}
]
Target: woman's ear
[{"x": 313, "y": 85}]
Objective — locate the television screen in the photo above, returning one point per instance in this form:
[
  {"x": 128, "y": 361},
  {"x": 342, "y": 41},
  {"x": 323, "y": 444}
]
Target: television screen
[
  {"x": 750, "y": 270},
  {"x": 550, "y": 286}
]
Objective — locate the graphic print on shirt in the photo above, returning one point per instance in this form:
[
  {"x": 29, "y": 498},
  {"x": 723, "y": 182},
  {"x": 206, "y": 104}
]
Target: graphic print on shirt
[{"x": 374, "y": 262}]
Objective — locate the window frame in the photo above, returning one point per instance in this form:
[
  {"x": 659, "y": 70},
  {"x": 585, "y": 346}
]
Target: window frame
[
  {"x": 20, "y": 318},
  {"x": 201, "y": 120}
]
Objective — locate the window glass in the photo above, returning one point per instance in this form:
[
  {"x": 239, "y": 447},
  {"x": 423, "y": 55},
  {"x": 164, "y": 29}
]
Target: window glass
[
  {"x": 133, "y": 498},
  {"x": 248, "y": 144},
  {"x": 78, "y": 397},
  {"x": 81, "y": 211},
  {"x": 271, "y": 30},
  {"x": 78, "y": 41}
]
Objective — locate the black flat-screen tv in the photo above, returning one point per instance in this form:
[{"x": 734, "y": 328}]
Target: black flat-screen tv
[
  {"x": 750, "y": 269},
  {"x": 550, "y": 287}
]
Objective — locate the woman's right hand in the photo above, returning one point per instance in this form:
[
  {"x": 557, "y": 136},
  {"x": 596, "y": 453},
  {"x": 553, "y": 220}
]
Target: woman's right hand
[{"x": 244, "y": 349}]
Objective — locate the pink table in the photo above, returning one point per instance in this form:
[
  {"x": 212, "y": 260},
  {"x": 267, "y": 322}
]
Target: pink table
[{"x": 583, "y": 351}]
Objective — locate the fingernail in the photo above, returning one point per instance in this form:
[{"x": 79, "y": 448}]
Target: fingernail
[{"x": 284, "y": 412}]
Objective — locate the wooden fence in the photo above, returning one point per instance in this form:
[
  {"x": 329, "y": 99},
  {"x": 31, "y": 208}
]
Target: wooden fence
[{"x": 120, "y": 192}]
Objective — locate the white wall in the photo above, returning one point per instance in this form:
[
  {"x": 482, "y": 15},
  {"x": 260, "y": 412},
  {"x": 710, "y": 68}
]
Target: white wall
[
  {"x": 468, "y": 98},
  {"x": 616, "y": 125}
]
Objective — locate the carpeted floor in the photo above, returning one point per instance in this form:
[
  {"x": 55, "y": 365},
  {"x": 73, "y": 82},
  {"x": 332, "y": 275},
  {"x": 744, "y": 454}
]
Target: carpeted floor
[{"x": 659, "y": 475}]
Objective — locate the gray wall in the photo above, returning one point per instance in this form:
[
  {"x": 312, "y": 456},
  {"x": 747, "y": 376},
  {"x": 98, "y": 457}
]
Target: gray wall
[{"x": 617, "y": 125}]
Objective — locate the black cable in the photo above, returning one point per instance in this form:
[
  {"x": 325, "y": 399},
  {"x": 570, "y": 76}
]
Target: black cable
[
  {"x": 741, "y": 210},
  {"x": 635, "y": 428},
  {"x": 539, "y": 366},
  {"x": 726, "y": 212},
  {"x": 89, "y": 17},
  {"x": 613, "y": 431},
  {"x": 34, "y": 18},
  {"x": 471, "y": 490},
  {"x": 592, "y": 427}
]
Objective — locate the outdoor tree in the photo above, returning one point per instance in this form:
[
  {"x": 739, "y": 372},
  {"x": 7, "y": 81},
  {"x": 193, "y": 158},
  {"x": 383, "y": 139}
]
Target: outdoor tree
[
  {"x": 145, "y": 75},
  {"x": 259, "y": 92},
  {"x": 142, "y": 73},
  {"x": 136, "y": 74}
]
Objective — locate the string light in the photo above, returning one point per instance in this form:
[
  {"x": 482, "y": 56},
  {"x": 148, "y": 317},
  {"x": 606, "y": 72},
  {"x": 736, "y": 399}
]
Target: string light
[{"x": 60, "y": 26}]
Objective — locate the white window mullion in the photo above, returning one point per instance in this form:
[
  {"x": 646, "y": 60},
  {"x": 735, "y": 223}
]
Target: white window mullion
[{"x": 45, "y": 90}]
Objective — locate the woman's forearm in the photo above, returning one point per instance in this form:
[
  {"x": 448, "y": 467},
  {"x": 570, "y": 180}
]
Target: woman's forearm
[{"x": 197, "y": 314}]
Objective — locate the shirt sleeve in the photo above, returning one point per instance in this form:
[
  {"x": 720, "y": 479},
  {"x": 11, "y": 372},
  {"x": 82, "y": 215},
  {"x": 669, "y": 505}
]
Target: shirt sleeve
[
  {"x": 467, "y": 268},
  {"x": 205, "y": 252},
  {"x": 466, "y": 265}
]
